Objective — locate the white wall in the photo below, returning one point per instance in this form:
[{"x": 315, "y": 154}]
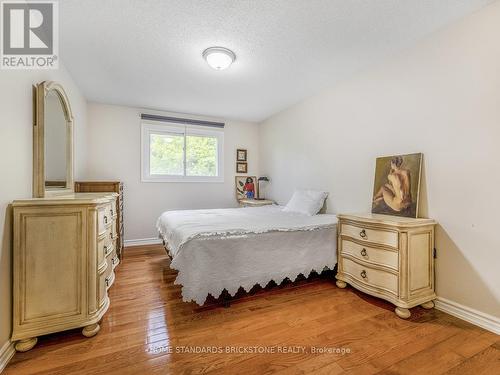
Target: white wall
[
  {"x": 16, "y": 119},
  {"x": 441, "y": 98},
  {"x": 114, "y": 137}
]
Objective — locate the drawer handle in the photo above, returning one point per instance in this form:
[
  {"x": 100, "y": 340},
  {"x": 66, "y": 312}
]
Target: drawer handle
[
  {"x": 363, "y": 252},
  {"x": 363, "y": 274},
  {"x": 105, "y": 219},
  {"x": 107, "y": 281},
  {"x": 111, "y": 212},
  {"x": 113, "y": 261},
  {"x": 362, "y": 234}
]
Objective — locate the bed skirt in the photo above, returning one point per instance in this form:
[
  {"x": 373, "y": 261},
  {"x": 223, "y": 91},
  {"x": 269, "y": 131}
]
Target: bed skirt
[{"x": 214, "y": 264}]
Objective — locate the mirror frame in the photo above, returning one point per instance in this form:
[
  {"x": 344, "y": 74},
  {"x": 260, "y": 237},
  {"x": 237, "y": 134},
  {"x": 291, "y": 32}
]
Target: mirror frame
[{"x": 40, "y": 92}]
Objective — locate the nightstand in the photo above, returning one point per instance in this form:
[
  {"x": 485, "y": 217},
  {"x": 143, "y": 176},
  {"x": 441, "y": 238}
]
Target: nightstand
[
  {"x": 255, "y": 202},
  {"x": 389, "y": 257}
]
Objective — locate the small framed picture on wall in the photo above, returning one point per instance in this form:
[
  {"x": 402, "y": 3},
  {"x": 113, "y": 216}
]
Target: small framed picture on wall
[
  {"x": 241, "y": 154},
  {"x": 241, "y": 167}
]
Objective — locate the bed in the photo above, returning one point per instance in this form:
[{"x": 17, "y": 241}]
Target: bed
[{"x": 225, "y": 249}]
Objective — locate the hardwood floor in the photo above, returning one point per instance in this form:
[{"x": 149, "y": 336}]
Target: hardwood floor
[{"x": 147, "y": 319}]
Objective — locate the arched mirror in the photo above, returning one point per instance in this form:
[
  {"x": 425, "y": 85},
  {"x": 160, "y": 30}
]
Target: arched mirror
[{"x": 52, "y": 141}]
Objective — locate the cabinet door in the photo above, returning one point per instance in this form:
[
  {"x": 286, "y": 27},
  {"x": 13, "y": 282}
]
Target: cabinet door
[{"x": 49, "y": 265}]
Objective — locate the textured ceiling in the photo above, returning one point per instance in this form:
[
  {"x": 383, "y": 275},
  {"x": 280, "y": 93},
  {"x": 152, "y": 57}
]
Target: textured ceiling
[{"x": 148, "y": 53}]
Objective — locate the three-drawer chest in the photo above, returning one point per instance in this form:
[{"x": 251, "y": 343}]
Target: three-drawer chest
[
  {"x": 389, "y": 257},
  {"x": 63, "y": 264},
  {"x": 106, "y": 187}
]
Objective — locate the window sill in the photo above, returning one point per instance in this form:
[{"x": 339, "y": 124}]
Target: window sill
[{"x": 184, "y": 179}]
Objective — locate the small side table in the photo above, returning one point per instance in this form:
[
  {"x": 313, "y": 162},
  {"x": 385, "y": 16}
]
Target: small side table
[
  {"x": 255, "y": 202},
  {"x": 389, "y": 257}
]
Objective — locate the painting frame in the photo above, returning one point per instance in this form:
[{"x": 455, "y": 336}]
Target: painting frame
[
  {"x": 241, "y": 154},
  {"x": 241, "y": 167},
  {"x": 239, "y": 184},
  {"x": 396, "y": 186}
]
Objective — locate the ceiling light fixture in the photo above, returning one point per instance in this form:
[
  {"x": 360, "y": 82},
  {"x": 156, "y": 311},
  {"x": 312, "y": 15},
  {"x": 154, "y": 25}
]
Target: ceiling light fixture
[{"x": 219, "y": 58}]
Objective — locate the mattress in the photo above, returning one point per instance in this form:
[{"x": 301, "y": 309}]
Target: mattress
[{"x": 213, "y": 250}]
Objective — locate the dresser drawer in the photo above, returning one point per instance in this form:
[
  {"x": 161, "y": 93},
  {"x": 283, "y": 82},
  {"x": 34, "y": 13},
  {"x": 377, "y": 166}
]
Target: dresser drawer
[
  {"x": 110, "y": 279},
  {"x": 115, "y": 248},
  {"x": 101, "y": 252},
  {"x": 108, "y": 250},
  {"x": 377, "y": 236},
  {"x": 113, "y": 230},
  {"x": 115, "y": 261},
  {"x": 109, "y": 269},
  {"x": 113, "y": 212},
  {"x": 387, "y": 258},
  {"x": 370, "y": 276},
  {"x": 104, "y": 217}
]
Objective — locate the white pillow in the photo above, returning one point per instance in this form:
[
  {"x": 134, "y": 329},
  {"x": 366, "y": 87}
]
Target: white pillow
[{"x": 307, "y": 202}]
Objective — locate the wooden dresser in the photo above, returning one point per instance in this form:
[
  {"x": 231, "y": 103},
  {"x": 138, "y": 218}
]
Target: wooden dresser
[
  {"x": 103, "y": 187},
  {"x": 388, "y": 257},
  {"x": 63, "y": 261}
]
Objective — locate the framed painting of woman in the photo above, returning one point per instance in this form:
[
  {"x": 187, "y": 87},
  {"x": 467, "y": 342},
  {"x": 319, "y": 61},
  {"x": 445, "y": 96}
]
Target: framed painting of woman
[
  {"x": 246, "y": 187},
  {"x": 397, "y": 185}
]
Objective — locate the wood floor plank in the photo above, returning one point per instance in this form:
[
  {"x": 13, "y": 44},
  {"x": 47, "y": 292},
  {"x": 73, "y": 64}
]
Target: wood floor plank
[
  {"x": 486, "y": 362},
  {"x": 435, "y": 359},
  {"x": 147, "y": 315}
]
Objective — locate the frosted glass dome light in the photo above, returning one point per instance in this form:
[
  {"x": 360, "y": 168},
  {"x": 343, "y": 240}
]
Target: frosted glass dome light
[{"x": 219, "y": 58}]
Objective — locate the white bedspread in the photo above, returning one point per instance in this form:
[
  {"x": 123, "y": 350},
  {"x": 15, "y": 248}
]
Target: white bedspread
[{"x": 227, "y": 249}]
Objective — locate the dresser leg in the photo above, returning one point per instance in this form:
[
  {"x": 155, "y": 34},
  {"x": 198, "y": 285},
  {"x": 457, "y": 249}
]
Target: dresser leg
[
  {"x": 341, "y": 284},
  {"x": 26, "y": 344},
  {"x": 91, "y": 330},
  {"x": 402, "y": 313},
  {"x": 428, "y": 305}
]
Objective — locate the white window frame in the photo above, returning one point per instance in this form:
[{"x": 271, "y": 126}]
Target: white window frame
[{"x": 148, "y": 128}]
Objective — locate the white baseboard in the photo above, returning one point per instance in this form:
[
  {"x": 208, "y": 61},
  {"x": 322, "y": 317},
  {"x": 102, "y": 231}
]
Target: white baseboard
[
  {"x": 142, "y": 241},
  {"x": 483, "y": 320},
  {"x": 7, "y": 351}
]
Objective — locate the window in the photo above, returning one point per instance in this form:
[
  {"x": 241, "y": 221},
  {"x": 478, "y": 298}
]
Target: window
[{"x": 182, "y": 153}]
